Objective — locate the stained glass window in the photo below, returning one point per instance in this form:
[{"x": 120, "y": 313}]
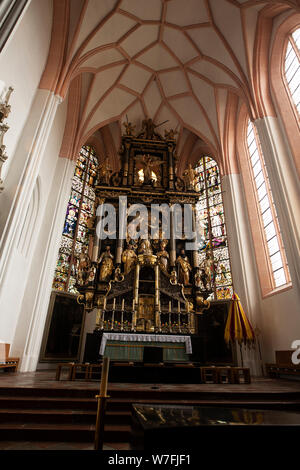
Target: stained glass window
[
  {"x": 211, "y": 220},
  {"x": 292, "y": 67},
  {"x": 267, "y": 209},
  {"x": 81, "y": 207}
]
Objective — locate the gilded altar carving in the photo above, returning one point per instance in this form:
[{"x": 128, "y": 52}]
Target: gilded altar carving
[
  {"x": 184, "y": 268},
  {"x": 104, "y": 171},
  {"x": 106, "y": 264}
]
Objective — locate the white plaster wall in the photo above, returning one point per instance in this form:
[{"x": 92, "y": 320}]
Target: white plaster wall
[
  {"x": 281, "y": 322},
  {"x": 21, "y": 65}
]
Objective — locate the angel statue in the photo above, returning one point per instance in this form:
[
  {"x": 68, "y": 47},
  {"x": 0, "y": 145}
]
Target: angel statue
[
  {"x": 105, "y": 171},
  {"x": 106, "y": 264},
  {"x": 149, "y": 130},
  {"x": 129, "y": 128},
  {"x": 170, "y": 135},
  {"x": 189, "y": 178},
  {"x": 148, "y": 163}
]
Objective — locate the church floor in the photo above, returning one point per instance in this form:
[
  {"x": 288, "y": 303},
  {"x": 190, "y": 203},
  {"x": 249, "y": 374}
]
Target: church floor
[
  {"x": 39, "y": 413},
  {"x": 46, "y": 379}
]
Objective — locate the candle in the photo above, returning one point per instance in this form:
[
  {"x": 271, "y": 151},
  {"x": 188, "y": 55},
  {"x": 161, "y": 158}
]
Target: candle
[
  {"x": 114, "y": 304},
  {"x": 2, "y": 90},
  {"x": 170, "y": 305},
  {"x": 104, "y": 304},
  {"x": 104, "y": 377},
  {"x": 178, "y": 306},
  {"x": 123, "y": 304},
  {"x": 133, "y": 304}
]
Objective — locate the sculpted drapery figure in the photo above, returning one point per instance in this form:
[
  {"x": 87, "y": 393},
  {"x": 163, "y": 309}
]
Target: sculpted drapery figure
[
  {"x": 189, "y": 178},
  {"x": 104, "y": 171},
  {"x": 148, "y": 163},
  {"x": 129, "y": 258},
  {"x": 84, "y": 267},
  {"x": 148, "y": 130},
  {"x": 145, "y": 247},
  {"x": 184, "y": 268},
  {"x": 106, "y": 264},
  {"x": 163, "y": 256}
]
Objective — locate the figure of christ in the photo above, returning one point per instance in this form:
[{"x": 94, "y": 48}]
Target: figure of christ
[
  {"x": 148, "y": 163},
  {"x": 184, "y": 268}
]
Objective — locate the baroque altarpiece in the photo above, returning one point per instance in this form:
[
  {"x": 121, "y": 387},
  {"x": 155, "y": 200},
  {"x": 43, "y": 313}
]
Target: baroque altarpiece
[{"x": 167, "y": 280}]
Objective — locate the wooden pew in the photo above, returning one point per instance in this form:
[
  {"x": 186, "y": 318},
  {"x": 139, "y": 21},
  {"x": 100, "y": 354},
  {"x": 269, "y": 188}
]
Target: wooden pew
[{"x": 6, "y": 362}]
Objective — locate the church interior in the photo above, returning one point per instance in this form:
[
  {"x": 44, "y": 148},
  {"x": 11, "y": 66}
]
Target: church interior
[{"x": 149, "y": 220}]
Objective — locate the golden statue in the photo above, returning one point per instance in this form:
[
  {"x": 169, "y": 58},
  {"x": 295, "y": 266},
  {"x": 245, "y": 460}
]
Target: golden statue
[
  {"x": 184, "y": 268},
  {"x": 207, "y": 266},
  {"x": 129, "y": 258},
  {"x": 107, "y": 265},
  {"x": 148, "y": 130},
  {"x": 189, "y": 176},
  {"x": 105, "y": 171},
  {"x": 145, "y": 247},
  {"x": 129, "y": 128},
  {"x": 163, "y": 256},
  {"x": 148, "y": 163},
  {"x": 84, "y": 267},
  {"x": 170, "y": 135}
]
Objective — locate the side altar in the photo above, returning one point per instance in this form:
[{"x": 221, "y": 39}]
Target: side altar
[{"x": 138, "y": 272}]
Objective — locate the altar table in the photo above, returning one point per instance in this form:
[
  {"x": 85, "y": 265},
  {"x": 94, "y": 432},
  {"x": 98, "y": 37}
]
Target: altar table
[{"x": 129, "y": 346}]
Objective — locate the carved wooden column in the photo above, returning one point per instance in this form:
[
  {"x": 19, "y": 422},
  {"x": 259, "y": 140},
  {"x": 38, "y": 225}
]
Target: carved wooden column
[
  {"x": 126, "y": 163},
  {"x": 172, "y": 239},
  {"x": 157, "y": 304}
]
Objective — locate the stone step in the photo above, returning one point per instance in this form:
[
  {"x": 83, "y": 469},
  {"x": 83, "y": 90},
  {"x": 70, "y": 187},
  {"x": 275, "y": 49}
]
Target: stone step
[
  {"x": 61, "y": 416},
  {"x": 62, "y": 432}
]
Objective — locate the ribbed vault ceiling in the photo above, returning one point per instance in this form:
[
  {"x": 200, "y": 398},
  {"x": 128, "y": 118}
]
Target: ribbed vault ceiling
[{"x": 173, "y": 60}]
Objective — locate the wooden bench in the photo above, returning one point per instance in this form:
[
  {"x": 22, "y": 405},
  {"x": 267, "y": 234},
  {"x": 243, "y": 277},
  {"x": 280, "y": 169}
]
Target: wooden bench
[
  {"x": 283, "y": 365},
  {"x": 225, "y": 374},
  {"x": 11, "y": 363},
  {"x": 209, "y": 374},
  {"x": 241, "y": 373},
  {"x": 277, "y": 370},
  {"x": 6, "y": 362},
  {"x": 68, "y": 365}
]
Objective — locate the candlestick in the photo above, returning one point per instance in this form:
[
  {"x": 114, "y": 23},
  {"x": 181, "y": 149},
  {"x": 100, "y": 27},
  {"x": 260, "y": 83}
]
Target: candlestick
[
  {"x": 112, "y": 320},
  {"x": 114, "y": 304},
  {"x": 104, "y": 377}
]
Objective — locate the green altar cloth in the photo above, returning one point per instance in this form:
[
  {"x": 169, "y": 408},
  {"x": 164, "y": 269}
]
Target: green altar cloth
[{"x": 133, "y": 350}]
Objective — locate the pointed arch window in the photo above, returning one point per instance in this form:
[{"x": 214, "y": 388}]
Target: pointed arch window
[
  {"x": 81, "y": 207},
  {"x": 292, "y": 67},
  {"x": 211, "y": 220},
  {"x": 275, "y": 251}
]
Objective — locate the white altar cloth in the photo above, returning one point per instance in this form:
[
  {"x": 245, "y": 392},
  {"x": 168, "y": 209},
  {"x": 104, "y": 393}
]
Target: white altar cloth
[{"x": 145, "y": 337}]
